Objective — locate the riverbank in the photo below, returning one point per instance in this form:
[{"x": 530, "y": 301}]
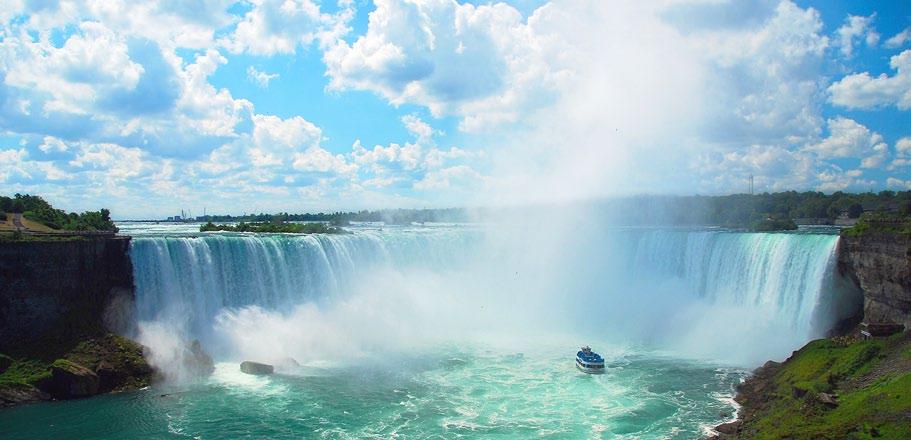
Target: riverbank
[{"x": 844, "y": 387}]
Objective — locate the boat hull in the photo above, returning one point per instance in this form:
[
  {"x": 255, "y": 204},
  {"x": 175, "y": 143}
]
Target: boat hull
[{"x": 589, "y": 369}]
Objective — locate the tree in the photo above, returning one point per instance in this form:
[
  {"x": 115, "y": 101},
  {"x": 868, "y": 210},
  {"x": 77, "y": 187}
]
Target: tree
[{"x": 855, "y": 210}]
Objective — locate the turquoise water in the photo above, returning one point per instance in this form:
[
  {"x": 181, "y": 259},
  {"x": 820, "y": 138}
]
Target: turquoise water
[
  {"x": 455, "y": 332},
  {"x": 455, "y": 395}
]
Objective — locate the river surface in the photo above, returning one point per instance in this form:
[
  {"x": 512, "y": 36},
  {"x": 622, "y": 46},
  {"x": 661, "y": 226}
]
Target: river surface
[{"x": 455, "y": 331}]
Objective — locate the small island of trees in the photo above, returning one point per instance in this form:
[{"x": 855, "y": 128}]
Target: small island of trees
[{"x": 274, "y": 227}]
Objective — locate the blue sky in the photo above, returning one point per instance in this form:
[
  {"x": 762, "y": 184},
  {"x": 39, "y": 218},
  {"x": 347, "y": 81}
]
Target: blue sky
[{"x": 301, "y": 105}]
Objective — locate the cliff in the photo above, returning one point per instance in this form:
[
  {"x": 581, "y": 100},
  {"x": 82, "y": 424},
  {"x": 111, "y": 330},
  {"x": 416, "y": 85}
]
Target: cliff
[
  {"x": 880, "y": 263},
  {"x": 60, "y": 288},
  {"x": 59, "y": 302}
]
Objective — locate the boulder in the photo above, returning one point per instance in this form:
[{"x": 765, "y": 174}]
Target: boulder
[
  {"x": 69, "y": 380},
  {"x": 256, "y": 368},
  {"x": 827, "y": 399},
  {"x": 729, "y": 428},
  {"x": 17, "y": 393},
  {"x": 196, "y": 361}
]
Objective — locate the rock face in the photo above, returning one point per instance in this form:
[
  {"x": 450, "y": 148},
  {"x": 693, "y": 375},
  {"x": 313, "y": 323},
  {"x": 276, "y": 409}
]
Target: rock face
[
  {"x": 16, "y": 394},
  {"x": 196, "y": 361},
  {"x": 58, "y": 289},
  {"x": 256, "y": 368},
  {"x": 70, "y": 380},
  {"x": 881, "y": 266}
]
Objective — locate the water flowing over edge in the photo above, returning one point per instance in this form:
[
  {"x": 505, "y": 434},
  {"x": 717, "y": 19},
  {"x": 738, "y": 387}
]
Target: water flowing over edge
[{"x": 781, "y": 287}]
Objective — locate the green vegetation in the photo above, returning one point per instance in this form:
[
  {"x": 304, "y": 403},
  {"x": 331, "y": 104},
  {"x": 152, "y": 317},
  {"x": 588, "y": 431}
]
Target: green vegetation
[
  {"x": 25, "y": 372},
  {"x": 745, "y": 210},
  {"x": 772, "y": 224},
  {"x": 37, "y": 209},
  {"x": 290, "y": 228},
  {"x": 389, "y": 216},
  {"x": 120, "y": 353},
  {"x": 880, "y": 223},
  {"x": 869, "y": 379}
]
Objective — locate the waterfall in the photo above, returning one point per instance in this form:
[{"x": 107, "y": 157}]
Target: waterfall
[{"x": 673, "y": 285}]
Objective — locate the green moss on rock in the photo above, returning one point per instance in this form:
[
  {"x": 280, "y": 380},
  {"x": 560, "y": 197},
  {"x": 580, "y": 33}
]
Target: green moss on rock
[{"x": 832, "y": 390}]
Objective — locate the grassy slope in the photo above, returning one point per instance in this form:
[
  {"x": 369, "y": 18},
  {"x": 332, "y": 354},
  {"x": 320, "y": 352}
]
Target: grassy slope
[
  {"x": 872, "y": 379},
  {"x": 37, "y": 227},
  {"x": 7, "y": 225}
]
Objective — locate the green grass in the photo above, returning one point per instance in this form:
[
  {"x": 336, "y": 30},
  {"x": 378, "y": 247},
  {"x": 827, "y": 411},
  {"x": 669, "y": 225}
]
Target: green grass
[
  {"x": 880, "y": 223},
  {"x": 879, "y": 410}
]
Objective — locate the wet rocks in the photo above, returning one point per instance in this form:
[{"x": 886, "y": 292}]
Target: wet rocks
[
  {"x": 256, "y": 368},
  {"x": 196, "y": 361},
  {"x": 69, "y": 380}
]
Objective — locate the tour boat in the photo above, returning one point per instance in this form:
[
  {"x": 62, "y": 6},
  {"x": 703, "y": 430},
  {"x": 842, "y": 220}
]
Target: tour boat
[{"x": 589, "y": 361}]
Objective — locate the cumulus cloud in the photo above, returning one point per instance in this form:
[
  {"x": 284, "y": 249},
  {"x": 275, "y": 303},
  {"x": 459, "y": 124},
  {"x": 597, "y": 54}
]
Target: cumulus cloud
[
  {"x": 856, "y": 28},
  {"x": 899, "y": 39},
  {"x": 863, "y": 91},
  {"x": 484, "y": 63},
  {"x": 281, "y": 26},
  {"x": 574, "y": 99},
  {"x": 847, "y": 138},
  {"x": 419, "y": 164},
  {"x": 902, "y": 154}
]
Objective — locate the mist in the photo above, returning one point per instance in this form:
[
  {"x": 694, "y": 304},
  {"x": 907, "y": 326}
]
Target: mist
[{"x": 521, "y": 284}]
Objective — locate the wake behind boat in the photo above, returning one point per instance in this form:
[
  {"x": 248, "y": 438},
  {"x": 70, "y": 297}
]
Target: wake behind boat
[{"x": 589, "y": 362}]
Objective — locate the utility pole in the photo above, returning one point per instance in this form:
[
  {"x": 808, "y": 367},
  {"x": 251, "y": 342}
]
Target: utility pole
[{"x": 751, "y": 184}]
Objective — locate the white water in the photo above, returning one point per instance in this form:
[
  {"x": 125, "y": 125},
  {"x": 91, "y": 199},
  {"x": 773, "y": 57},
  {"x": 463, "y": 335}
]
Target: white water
[{"x": 736, "y": 297}]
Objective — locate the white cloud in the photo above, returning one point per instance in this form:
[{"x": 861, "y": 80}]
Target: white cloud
[
  {"x": 862, "y": 91},
  {"x": 856, "y": 28},
  {"x": 114, "y": 162},
  {"x": 893, "y": 182},
  {"x": 479, "y": 62},
  {"x": 91, "y": 65},
  {"x": 902, "y": 154},
  {"x": 261, "y": 79},
  {"x": 52, "y": 144},
  {"x": 847, "y": 138},
  {"x": 319, "y": 160},
  {"x": 899, "y": 39},
  {"x": 281, "y": 26}
]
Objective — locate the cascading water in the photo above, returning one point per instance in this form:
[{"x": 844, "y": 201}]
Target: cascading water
[
  {"x": 648, "y": 284},
  {"x": 196, "y": 277}
]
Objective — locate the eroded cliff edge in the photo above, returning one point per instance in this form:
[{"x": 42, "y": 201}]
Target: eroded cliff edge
[
  {"x": 62, "y": 303},
  {"x": 880, "y": 263}
]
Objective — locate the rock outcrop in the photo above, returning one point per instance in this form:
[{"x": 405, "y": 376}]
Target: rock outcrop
[
  {"x": 880, "y": 263},
  {"x": 256, "y": 368},
  {"x": 196, "y": 361},
  {"x": 70, "y": 380}
]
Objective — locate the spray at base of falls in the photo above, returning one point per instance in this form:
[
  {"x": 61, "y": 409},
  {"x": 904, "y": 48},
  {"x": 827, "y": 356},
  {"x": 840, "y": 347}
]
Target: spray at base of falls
[{"x": 737, "y": 297}]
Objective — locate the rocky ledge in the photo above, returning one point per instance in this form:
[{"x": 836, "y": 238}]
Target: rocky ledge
[{"x": 103, "y": 364}]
